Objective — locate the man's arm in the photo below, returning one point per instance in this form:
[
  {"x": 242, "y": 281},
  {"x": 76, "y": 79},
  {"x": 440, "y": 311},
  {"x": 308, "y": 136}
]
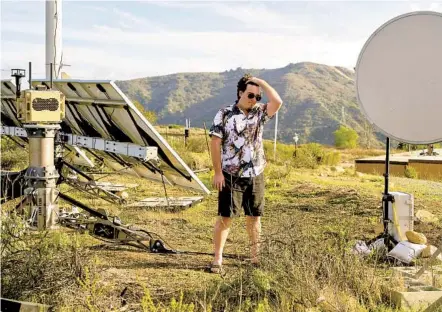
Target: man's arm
[
  {"x": 218, "y": 179},
  {"x": 216, "y": 154},
  {"x": 217, "y": 133},
  {"x": 275, "y": 101}
]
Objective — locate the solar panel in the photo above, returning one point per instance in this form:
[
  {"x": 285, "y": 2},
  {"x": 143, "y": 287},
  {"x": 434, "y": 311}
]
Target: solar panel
[
  {"x": 99, "y": 109},
  {"x": 8, "y": 108},
  {"x": 8, "y": 88}
]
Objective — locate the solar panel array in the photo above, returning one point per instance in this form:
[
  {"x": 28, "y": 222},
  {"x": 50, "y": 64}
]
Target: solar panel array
[{"x": 99, "y": 109}]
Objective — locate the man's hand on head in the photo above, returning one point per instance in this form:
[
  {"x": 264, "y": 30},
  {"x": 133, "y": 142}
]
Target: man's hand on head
[
  {"x": 275, "y": 101},
  {"x": 255, "y": 80}
]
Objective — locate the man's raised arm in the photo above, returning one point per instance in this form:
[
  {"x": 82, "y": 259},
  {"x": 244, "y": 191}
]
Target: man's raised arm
[{"x": 275, "y": 101}]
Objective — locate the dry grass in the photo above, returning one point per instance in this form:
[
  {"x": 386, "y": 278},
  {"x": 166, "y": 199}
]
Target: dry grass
[
  {"x": 350, "y": 155},
  {"x": 313, "y": 217}
]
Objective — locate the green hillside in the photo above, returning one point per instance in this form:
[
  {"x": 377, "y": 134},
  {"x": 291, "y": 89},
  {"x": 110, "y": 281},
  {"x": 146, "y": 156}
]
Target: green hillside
[{"x": 317, "y": 98}]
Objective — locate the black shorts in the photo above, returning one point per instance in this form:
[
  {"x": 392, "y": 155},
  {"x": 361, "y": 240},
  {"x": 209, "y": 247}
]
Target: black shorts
[{"x": 247, "y": 193}]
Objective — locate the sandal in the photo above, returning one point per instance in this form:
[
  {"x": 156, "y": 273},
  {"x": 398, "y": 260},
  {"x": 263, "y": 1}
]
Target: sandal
[{"x": 215, "y": 268}]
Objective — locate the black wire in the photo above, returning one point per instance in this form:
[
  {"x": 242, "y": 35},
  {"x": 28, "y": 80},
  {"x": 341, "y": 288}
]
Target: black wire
[
  {"x": 113, "y": 172},
  {"x": 147, "y": 232}
]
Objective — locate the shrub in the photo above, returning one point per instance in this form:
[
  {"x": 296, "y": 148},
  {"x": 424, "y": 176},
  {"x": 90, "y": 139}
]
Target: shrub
[
  {"x": 42, "y": 263},
  {"x": 13, "y": 157},
  {"x": 284, "y": 152},
  {"x": 346, "y": 137},
  {"x": 410, "y": 172},
  {"x": 276, "y": 172},
  {"x": 308, "y": 156},
  {"x": 151, "y": 116},
  {"x": 331, "y": 158},
  {"x": 197, "y": 144}
]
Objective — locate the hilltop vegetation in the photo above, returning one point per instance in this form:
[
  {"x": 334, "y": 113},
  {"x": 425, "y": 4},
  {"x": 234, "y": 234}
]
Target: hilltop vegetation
[{"x": 317, "y": 100}]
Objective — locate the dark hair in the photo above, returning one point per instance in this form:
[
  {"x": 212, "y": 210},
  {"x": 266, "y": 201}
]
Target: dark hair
[{"x": 242, "y": 84}]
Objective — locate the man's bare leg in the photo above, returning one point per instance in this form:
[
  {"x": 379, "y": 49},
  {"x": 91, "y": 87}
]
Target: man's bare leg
[
  {"x": 253, "y": 225},
  {"x": 221, "y": 231}
]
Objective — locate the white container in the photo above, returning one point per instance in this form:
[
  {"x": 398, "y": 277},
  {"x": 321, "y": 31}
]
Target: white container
[{"x": 404, "y": 205}]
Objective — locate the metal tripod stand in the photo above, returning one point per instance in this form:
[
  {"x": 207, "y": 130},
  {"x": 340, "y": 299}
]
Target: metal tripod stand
[{"x": 387, "y": 198}]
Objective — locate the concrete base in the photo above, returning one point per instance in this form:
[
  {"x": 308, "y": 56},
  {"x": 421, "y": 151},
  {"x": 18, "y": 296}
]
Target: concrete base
[
  {"x": 418, "y": 295},
  {"x": 8, "y": 305},
  {"x": 431, "y": 277},
  {"x": 417, "y": 298}
]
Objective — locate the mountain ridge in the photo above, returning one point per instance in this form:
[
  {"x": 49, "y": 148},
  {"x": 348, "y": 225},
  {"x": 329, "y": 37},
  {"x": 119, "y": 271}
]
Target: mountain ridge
[{"x": 317, "y": 99}]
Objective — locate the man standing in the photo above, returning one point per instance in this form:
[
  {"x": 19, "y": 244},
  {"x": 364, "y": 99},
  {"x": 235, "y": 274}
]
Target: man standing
[{"x": 239, "y": 161}]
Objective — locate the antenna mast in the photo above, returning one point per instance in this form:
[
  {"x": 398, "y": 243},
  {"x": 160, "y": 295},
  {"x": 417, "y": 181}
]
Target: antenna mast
[{"x": 54, "y": 53}]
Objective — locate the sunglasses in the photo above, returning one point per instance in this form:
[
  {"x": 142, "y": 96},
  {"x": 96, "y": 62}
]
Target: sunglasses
[{"x": 252, "y": 95}]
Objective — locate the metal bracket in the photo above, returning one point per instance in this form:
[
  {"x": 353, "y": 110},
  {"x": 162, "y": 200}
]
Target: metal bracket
[
  {"x": 129, "y": 149},
  {"x": 13, "y": 131},
  {"x": 144, "y": 153}
]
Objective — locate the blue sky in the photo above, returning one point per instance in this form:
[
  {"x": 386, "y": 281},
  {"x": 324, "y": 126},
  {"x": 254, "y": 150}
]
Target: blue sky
[{"x": 131, "y": 39}]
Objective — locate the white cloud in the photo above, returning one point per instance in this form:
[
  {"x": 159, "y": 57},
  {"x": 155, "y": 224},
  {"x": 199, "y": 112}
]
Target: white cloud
[
  {"x": 94, "y": 8},
  {"x": 127, "y": 15},
  {"x": 123, "y": 25},
  {"x": 250, "y": 15},
  {"x": 257, "y": 15},
  {"x": 436, "y": 6},
  {"x": 24, "y": 27},
  {"x": 425, "y": 6},
  {"x": 130, "y": 20}
]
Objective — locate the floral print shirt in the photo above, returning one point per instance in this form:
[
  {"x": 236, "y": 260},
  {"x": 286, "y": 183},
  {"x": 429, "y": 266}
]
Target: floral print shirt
[{"x": 242, "y": 144}]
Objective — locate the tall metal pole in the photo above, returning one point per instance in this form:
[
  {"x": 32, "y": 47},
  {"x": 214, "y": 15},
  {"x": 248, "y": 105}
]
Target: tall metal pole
[
  {"x": 276, "y": 135},
  {"x": 30, "y": 75},
  {"x": 51, "y": 76},
  {"x": 387, "y": 198},
  {"x": 54, "y": 53},
  {"x": 387, "y": 165}
]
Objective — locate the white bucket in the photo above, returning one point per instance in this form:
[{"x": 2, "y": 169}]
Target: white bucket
[{"x": 404, "y": 206}]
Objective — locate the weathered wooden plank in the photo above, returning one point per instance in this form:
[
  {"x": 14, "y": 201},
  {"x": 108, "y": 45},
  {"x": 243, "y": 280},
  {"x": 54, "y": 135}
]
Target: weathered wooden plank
[{"x": 171, "y": 201}]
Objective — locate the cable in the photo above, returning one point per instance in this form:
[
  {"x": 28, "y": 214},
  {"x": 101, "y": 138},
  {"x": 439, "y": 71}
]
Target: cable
[
  {"x": 396, "y": 222},
  {"x": 165, "y": 191},
  {"x": 113, "y": 172}
]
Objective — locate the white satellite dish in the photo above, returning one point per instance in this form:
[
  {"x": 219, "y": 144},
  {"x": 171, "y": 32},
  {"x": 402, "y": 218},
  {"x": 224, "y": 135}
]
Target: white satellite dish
[{"x": 399, "y": 78}]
